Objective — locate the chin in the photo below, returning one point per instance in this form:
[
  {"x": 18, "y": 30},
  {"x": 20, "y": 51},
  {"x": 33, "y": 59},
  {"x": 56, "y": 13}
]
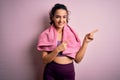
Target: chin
[{"x": 61, "y": 26}]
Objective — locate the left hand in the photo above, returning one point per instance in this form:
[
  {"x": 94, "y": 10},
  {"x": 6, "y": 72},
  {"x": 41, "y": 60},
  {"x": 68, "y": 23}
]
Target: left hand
[{"x": 90, "y": 36}]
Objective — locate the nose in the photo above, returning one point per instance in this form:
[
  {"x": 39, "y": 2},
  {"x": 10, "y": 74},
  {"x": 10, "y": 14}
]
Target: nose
[{"x": 61, "y": 19}]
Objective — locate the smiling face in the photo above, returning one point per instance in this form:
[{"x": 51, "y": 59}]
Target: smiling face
[{"x": 60, "y": 18}]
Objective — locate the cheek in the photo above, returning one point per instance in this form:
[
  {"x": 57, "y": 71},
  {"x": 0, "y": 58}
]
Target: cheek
[
  {"x": 56, "y": 20},
  {"x": 65, "y": 19}
]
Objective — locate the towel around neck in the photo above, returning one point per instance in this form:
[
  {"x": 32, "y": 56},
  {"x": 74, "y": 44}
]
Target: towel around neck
[{"x": 48, "y": 40}]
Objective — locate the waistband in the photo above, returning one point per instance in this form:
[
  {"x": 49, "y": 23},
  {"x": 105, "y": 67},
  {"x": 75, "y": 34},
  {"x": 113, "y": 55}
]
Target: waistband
[{"x": 53, "y": 62}]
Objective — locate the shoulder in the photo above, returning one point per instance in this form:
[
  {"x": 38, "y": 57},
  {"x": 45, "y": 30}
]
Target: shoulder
[{"x": 46, "y": 31}]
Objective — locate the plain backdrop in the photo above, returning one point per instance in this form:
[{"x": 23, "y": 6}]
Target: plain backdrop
[{"x": 21, "y": 22}]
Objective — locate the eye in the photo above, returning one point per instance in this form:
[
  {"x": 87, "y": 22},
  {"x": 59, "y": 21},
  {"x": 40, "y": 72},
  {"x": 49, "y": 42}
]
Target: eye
[
  {"x": 64, "y": 16},
  {"x": 57, "y": 16}
]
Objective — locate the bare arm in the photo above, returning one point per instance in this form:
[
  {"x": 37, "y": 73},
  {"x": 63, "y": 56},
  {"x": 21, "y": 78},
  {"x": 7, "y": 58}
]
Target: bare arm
[
  {"x": 80, "y": 54},
  {"x": 47, "y": 58}
]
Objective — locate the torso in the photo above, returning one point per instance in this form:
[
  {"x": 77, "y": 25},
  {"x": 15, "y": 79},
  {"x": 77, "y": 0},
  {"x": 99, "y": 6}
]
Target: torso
[{"x": 62, "y": 59}]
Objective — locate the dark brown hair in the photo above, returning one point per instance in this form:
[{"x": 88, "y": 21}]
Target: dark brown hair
[{"x": 53, "y": 10}]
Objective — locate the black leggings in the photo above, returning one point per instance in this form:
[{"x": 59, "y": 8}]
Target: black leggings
[{"x": 55, "y": 71}]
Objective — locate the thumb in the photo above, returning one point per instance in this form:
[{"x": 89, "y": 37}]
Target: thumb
[{"x": 66, "y": 41}]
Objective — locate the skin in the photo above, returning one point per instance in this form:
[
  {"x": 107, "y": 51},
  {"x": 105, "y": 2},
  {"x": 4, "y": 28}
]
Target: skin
[{"x": 60, "y": 20}]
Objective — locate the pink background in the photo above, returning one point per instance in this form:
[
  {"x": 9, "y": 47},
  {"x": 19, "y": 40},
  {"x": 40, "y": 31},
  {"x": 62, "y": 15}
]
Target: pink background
[{"x": 23, "y": 20}]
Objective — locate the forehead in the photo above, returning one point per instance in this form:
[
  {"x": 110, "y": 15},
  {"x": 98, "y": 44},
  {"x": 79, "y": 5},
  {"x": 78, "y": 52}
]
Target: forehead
[{"x": 60, "y": 12}]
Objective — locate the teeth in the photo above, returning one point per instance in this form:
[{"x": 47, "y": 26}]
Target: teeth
[{"x": 61, "y": 24}]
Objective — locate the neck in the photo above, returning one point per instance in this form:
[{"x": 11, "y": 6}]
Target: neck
[{"x": 59, "y": 30}]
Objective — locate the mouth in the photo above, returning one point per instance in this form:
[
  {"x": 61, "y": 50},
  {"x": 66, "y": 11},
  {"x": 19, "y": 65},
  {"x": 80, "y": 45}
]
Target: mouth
[{"x": 61, "y": 23}]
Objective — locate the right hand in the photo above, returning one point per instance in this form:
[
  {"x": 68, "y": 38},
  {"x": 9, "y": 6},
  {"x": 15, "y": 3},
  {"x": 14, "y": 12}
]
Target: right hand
[{"x": 62, "y": 46}]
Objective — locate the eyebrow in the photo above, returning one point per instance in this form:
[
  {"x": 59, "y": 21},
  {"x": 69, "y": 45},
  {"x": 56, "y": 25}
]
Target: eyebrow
[{"x": 63, "y": 15}]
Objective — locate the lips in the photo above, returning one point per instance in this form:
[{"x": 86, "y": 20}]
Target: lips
[{"x": 60, "y": 23}]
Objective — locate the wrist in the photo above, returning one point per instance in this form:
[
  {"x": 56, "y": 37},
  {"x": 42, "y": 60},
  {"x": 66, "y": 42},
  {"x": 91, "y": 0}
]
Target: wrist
[
  {"x": 85, "y": 43},
  {"x": 57, "y": 50}
]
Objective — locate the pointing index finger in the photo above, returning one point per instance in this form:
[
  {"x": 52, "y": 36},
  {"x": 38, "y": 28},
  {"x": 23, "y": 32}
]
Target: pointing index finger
[{"x": 96, "y": 30}]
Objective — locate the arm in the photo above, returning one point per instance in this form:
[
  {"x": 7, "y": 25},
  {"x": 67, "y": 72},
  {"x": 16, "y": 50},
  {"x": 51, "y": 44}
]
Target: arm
[
  {"x": 47, "y": 58},
  {"x": 88, "y": 38},
  {"x": 81, "y": 52}
]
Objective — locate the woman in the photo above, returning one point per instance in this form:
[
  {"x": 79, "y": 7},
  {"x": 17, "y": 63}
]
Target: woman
[{"x": 60, "y": 46}]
